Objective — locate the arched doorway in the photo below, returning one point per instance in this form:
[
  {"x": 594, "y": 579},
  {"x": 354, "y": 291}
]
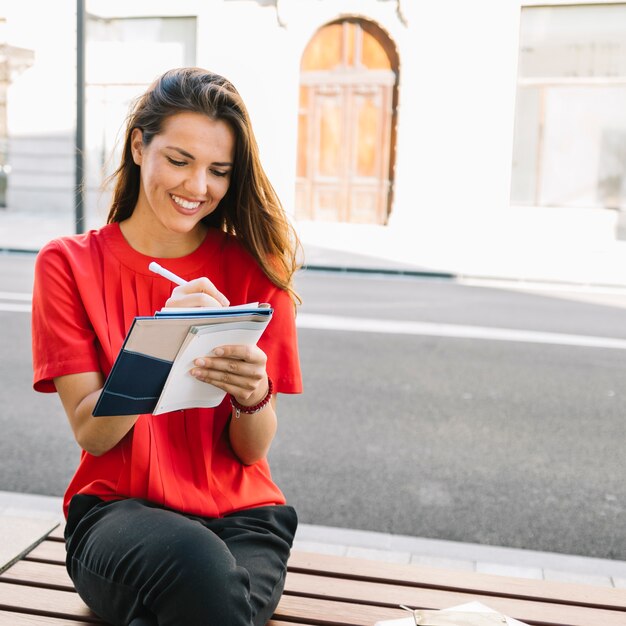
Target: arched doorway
[{"x": 346, "y": 124}]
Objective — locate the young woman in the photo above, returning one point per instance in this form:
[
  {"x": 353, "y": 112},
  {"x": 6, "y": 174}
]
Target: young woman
[{"x": 174, "y": 519}]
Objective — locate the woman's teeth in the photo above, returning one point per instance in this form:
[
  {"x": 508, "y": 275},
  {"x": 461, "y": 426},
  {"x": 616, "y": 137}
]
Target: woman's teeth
[{"x": 185, "y": 203}]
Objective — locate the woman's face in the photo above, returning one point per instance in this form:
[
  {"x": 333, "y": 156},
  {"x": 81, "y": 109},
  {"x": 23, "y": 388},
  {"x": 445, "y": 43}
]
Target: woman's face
[{"x": 185, "y": 170}]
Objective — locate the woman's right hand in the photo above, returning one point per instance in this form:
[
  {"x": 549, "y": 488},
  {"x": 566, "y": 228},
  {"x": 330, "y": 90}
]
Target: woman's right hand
[{"x": 196, "y": 293}]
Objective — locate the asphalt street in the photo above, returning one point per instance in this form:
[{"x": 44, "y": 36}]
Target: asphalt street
[{"x": 502, "y": 442}]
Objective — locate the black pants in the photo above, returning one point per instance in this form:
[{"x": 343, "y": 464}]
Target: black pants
[{"x": 134, "y": 563}]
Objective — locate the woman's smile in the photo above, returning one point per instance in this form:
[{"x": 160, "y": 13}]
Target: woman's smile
[{"x": 186, "y": 206}]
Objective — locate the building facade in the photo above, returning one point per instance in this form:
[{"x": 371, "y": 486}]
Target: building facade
[{"x": 383, "y": 124}]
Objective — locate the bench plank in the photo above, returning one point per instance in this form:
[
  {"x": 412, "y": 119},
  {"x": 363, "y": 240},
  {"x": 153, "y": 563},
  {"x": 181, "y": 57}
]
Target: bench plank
[
  {"x": 39, "y": 574},
  {"x": 42, "y": 601},
  {"x": 470, "y": 582},
  {"x": 329, "y": 612},
  {"x": 57, "y": 533},
  {"x": 22, "y": 619},
  {"x": 49, "y": 551},
  {"x": 382, "y": 594}
]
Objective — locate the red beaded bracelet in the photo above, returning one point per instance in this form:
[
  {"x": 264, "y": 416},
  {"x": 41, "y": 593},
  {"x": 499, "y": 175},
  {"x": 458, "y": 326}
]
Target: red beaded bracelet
[{"x": 255, "y": 408}]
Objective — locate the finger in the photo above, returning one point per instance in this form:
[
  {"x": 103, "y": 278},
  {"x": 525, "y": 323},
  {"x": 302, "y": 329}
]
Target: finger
[
  {"x": 238, "y": 386},
  {"x": 239, "y": 367},
  {"x": 210, "y": 289},
  {"x": 202, "y": 285},
  {"x": 193, "y": 300},
  {"x": 244, "y": 352}
]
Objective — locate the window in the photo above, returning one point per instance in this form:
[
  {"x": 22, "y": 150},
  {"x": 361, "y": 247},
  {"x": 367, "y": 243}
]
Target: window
[{"x": 570, "y": 119}]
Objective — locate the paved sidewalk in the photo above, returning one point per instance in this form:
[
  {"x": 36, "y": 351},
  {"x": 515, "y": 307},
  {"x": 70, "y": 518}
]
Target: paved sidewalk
[
  {"x": 25, "y": 517},
  {"x": 600, "y": 262}
]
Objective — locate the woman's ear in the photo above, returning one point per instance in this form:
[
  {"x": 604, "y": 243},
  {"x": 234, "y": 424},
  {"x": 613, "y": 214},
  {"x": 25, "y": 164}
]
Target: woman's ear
[{"x": 136, "y": 145}]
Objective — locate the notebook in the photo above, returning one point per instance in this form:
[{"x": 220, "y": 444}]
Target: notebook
[{"x": 151, "y": 371}]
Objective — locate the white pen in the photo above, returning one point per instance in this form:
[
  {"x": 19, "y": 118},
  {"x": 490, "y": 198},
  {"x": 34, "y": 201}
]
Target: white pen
[{"x": 157, "y": 269}]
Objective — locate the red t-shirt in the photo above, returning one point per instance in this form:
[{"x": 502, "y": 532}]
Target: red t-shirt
[{"x": 88, "y": 288}]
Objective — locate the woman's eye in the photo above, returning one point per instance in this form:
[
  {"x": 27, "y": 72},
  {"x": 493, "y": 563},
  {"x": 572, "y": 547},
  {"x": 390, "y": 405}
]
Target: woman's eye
[
  {"x": 218, "y": 173},
  {"x": 175, "y": 162}
]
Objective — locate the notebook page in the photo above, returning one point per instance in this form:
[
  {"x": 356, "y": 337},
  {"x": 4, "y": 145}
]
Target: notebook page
[{"x": 182, "y": 390}]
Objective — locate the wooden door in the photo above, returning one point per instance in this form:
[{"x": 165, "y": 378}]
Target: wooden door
[{"x": 345, "y": 127}]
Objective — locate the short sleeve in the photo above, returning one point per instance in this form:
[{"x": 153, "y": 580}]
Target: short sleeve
[
  {"x": 62, "y": 335},
  {"x": 280, "y": 344}
]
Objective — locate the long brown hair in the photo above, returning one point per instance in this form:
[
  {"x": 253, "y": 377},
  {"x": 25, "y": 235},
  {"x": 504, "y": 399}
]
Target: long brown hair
[{"x": 250, "y": 210}]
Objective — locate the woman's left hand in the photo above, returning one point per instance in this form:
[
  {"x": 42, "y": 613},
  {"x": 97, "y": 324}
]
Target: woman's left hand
[{"x": 237, "y": 369}]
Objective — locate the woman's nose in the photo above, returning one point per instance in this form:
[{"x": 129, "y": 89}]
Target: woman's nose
[{"x": 197, "y": 183}]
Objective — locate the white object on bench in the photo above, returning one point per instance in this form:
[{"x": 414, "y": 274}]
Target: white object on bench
[{"x": 470, "y": 607}]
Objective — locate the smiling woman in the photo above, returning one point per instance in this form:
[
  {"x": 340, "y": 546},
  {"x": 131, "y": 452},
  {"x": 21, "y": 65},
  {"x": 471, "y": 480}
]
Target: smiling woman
[
  {"x": 250, "y": 209},
  {"x": 175, "y": 519}
]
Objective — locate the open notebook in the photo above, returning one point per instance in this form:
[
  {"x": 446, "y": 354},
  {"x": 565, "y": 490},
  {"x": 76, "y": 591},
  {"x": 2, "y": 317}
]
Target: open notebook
[
  {"x": 151, "y": 371},
  {"x": 470, "y": 614}
]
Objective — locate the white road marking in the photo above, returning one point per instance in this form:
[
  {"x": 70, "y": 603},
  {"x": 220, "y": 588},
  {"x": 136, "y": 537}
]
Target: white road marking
[
  {"x": 365, "y": 325},
  {"x": 315, "y": 321},
  {"x": 15, "y": 302},
  {"x": 15, "y": 308},
  {"x": 13, "y": 295}
]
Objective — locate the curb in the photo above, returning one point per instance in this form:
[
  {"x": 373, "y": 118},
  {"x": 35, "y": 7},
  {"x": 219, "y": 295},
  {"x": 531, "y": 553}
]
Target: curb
[{"x": 344, "y": 269}]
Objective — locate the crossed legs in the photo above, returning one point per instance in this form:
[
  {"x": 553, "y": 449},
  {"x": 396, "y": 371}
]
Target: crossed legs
[{"x": 134, "y": 563}]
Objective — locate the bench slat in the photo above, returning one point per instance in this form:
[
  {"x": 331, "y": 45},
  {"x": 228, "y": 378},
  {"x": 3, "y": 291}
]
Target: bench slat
[
  {"x": 274, "y": 622},
  {"x": 8, "y": 618},
  {"x": 53, "y": 551},
  {"x": 57, "y": 533},
  {"x": 469, "y": 582},
  {"x": 51, "y": 602},
  {"x": 381, "y": 594},
  {"x": 330, "y": 612},
  {"x": 23, "y": 619},
  {"x": 40, "y": 574}
]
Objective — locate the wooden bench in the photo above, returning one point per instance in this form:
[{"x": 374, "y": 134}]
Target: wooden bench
[{"x": 330, "y": 591}]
